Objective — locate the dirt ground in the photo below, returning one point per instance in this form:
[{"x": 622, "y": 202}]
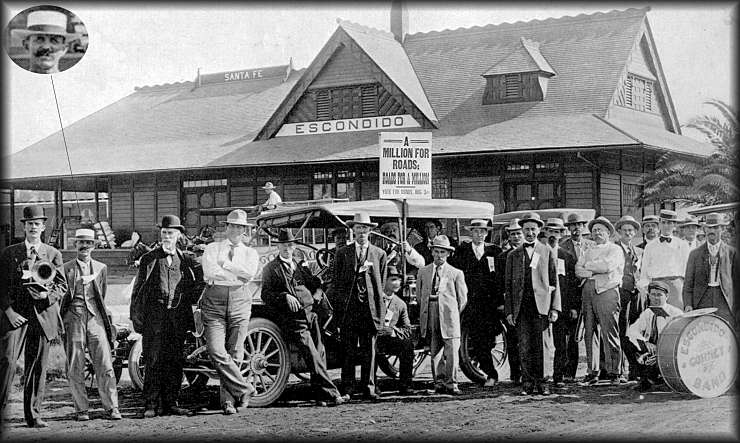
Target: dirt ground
[{"x": 575, "y": 412}]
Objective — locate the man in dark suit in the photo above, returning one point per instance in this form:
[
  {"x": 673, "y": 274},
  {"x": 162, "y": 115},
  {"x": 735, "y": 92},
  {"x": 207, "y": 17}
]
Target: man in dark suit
[
  {"x": 516, "y": 238},
  {"x": 477, "y": 260},
  {"x": 532, "y": 301},
  {"x": 711, "y": 272},
  {"x": 432, "y": 228},
  {"x": 87, "y": 325},
  {"x": 289, "y": 288},
  {"x": 631, "y": 304},
  {"x": 357, "y": 287},
  {"x": 395, "y": 337},
  {"x": 564, "y": 329},
  {"x": 30, "y": 318},
  {"x": 167, "y": 284}
]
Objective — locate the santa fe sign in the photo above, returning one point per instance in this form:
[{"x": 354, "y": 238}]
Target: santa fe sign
[{"x": 406, "y": 165}]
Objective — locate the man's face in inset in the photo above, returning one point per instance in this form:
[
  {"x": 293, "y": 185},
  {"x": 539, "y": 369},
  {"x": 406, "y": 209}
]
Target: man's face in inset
[
  {"x": 45, "y": 51},
  {"x": 169, "y": 237},
  {"x": 626, "y": 233},
  {"x": 667, "y": 227},
  {"x": 478, "y": 235},
  {"x": 440, "y": 255},
  {"x": 33, "y": 230},
  {"x": 286, "y": 250},
  {"x": 361, "y": 232},
  {"x": 714, "y": 234},
  {"x": 516, "y": 238},
  {"x": 531, "y": 230},
  {"x": 600, "y": 233},
  {"x": 657, "y": 297},
  {"x": 391, "y": 230},
  {"x": 84, "y": 249},
  {"x": 689, "y": 232},
  {"x": 431, "y": 230},
  {"x": 576, "y": 230}
]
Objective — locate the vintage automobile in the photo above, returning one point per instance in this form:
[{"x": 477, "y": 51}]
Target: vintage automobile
[{"x": 270, "y": 359}]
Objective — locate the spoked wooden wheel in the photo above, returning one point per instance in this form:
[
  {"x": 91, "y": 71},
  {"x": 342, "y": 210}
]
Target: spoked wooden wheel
[
  {"x": 390, "y": 364},
  {"x": 266, "y": 361},
  {"x": 469, "y": 363}
]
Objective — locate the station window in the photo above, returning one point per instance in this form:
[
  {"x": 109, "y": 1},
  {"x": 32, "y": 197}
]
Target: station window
[{"x": 203, "y": 194}]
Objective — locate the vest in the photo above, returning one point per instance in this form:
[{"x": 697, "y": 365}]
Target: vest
[
  {"x": 168, "y": 278},
  {"x": 84, "y": 293}
]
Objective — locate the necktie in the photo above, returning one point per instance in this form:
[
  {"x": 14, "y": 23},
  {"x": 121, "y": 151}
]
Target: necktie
[
  {"x": 654, "y": 330},
  {"x": 478, "y": 252},
  {"x": 665, "y": 239},
  {"x": 435, "y": 281},
  {"x": 529, "y": 245},
  {"x": 33, "y": 254},
  {"x": 231, "y": 251}
]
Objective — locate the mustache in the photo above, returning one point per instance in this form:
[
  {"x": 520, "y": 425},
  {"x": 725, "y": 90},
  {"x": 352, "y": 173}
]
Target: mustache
[{"x": 43, "y": 51}]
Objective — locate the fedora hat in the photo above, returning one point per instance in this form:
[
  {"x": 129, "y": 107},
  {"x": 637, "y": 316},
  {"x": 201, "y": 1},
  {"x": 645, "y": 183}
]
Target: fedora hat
[
  {"x": 715, "y": 219},
  {"x": 284, "y": 236},
  {"x": 513, "y": 225},
  {"x": 268, "y": 185},
  {"x": 555, "y": 223},
  {"x": 85, "y": 234},
  {"x": 533, "y": 217},
  {"x": 45, "y": 21},
  {"x": 170, "y": 221},
  {"x": 628, "y": 219},
  {"x": 575, "y": 217},
  {"x": 667, "y": 214},
  {"x": 601, "y": 220},
  {"x": 361, "y": 218},
  {"x": 33, "y": 212},
  {"x": 237, "y": 217},
  {"x": 690, "y": 221},
  {"x": 650, "y": 219},
  {"x": 479, "y": 223},
  {"x": 442, "y": 242}
]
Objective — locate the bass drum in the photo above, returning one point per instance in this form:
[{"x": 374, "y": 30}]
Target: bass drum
[{"x": 698, "y": 354}]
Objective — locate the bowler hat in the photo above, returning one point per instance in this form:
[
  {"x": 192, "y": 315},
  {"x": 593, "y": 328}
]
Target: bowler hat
[
  {"x": 601, "y": 220},
  {"x": 171, "y": 222},
  {"x": 33, "y": 213},
  {"x": 531, "y": 217},
  {"x": 555, "y": 223},
  {"x": 237, "y": 217},
  {"x": 85, "y": 234},
  {"x": 268, "y": 185},
  {"x": 659, "y": 285},
  {"x": 393, "y": 272},
  {"x": 442, "y": 242},
  {"x": 284, "y": 236},
  {"x": 479, "y": 223},
  {"x": 690, "y": 221},
  {"x": 575, "y": 217},
  {"x": 45, "y": 22},
  {"x": 715, "y": 219},
  {"x": 667, "y": 214},
  {"x": 650, "y": 219},
  {"x": 513, "y": 225},
  {"x": 361, "y": 218},
  {"x": 627, "y": 219}
]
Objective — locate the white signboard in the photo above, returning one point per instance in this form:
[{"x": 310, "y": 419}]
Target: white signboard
[
  {"x": 406, "y": 165},
  {"x": 348, "y": 125}
]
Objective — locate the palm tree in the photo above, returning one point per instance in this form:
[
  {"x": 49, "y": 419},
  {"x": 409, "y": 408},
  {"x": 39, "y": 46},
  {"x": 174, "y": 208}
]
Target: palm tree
[{"x": 707, "y": 181}]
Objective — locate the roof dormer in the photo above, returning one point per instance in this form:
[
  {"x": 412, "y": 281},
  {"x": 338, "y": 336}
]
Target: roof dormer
[{"x": 521, "y": 76}]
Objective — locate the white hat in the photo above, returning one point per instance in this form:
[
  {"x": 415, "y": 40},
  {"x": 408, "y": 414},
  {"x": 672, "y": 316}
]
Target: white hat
[
  {"x": 45, "y": 22},
  {"x": 85, "y": 234},
  {"x": 268, "y": 185}
]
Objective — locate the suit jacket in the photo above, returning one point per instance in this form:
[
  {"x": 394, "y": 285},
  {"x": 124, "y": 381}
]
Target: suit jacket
[
  {"x": 453, "y": 296},
  {"x": 14, "y": 294},
  {"x": 425, "y": 251},
  {"x": 544, "y": 277},
  {"x": 483, "y": 290},
  {"x": 570, "y": 293},
  {"x": 276, "y": 284},
  {"x": 696, "y": 281},
  {"x": 570, "y": 248},
  {"x": 399, "y": 317},
  {"x": 343, "y": 279},
  {"x": 630, "y": 273},
  {"x": 99, "y": 287},
  {"x": 142, "y": 296}
]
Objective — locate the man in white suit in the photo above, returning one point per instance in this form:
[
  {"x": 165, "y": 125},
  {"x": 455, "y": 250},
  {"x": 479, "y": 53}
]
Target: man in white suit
[{"x": 443, "y": 295}]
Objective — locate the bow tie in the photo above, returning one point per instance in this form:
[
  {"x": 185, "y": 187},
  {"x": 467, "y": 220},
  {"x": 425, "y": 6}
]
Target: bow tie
[
  {"x": 166, "y": 252},
  {"x": 665, "y": 239},
  {"x": 529, "y": 245}
]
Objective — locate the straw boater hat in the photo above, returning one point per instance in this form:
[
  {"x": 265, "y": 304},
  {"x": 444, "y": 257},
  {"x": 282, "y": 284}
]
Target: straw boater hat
[
  {"x": 715, "y": 219},
  {"x": 237, "y": 217},
  {"x": 532, "y": 217},
  {"x": 627, "y": 219},
  {"x": 284, "y": 236},
  {"x": 650, "y": 219},
  {"x": 361, "y": 218},
  {"x": 268, "y": 185},
  {"x": 45, "y": 22},
  {"x": 690, "y": 221},
  {"x": 171, "y": 222},
  {"x": 33, "y": 213},
  {"x": 513, "y": 225},
  {"x": 575, "y": 217},
  {"x": 442, "y": 242},
  {"x": 659, "y": 285},
  {"x": 555, "y": 223},
  {"x": 85, "y": 234},
  {"x": 601, "y": 220},
  {"x": 667, "y": 214},
  {"x": 479, "y": 223}
]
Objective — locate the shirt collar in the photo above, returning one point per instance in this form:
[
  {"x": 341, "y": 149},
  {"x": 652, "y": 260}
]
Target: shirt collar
[
  {"x": 82, "y": 264},
  {"x": 286, "y": 261},
  {"x": 35, "y": 245},
  {"x": 713, "y": 249}
]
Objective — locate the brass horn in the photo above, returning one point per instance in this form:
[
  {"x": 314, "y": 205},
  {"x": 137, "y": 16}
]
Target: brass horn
[{"x": 43, "y": 272}]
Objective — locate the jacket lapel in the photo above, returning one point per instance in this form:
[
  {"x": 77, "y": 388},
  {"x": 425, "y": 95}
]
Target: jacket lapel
[{"x": 96, "y": 268}]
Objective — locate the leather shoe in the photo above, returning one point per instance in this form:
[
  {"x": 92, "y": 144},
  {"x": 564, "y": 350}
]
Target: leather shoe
[
  {"x": 490, "y": 382},
  {"x": 439, "y": 389},
  {"x": 527, "y": 389},
  {"x": 372, "y": 396},
  {"x": 176, "y": 410},
  {"x": 38, "y": 423},
  {"x": 114, "y": 414},
  {"x": 229, "y": 408},
  {"x": 517, "y": 381},
  {"x": 243, "y": 401},
  {"x": 454, "y": 391},
  {"x": 543, "y": 389},
  {"x": 82, "y": 416},
  {"x": 150, "y": 413},
  {"x": 335, "y": 401}
]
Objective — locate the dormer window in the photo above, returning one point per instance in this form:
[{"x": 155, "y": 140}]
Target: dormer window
[
  {"x": 521, "y": 76},
  {"x": 638, "y": 93}
]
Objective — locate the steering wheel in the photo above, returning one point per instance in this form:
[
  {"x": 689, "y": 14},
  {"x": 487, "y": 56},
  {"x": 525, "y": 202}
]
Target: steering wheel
[{"x": 323, "y": 257}]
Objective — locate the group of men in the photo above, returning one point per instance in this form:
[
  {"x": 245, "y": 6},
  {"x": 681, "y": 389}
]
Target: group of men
[{"x": 623, "y": 294}]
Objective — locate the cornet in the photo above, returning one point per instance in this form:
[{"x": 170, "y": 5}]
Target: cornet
[{"x": 42, "y": 274}]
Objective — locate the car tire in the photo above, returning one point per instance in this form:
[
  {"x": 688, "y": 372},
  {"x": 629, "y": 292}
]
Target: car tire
[
  {"x": 267, "y": 361},
  {"x": 136, "y": 365},
  {"x": 469, "y": 365}
]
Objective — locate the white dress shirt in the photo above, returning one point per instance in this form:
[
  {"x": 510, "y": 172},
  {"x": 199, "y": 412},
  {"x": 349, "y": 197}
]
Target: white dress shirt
[
  {"x": 713, "y": 263},
  {"x": 361, "y": 250},
  {"x": 244, "y": 264},
  {"x": 478, "y": 250},
  {"x": 273, "y": 199},
  {"x": 641, "y": 328},
  {"x": 663, "y": 259},
  {"x": 604, "y": 263},
  {"x": 36, "y": 246}
]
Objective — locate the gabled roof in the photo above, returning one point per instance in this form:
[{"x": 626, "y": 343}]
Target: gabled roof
[
  {"x": 525, "y": 58},
  {"x": 171, "y": 126}
]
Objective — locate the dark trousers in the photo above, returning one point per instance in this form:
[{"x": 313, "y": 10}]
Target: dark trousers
[
  {"x": 530, "y": 326},
  {"x": 163, "y": 354},
  {"x": 482, "y": 330},
  {"x": 404, "y": 349},
  {"x": 629, "y": 312},
  {"x": 564, "y": 332},
  {"x": 512, "y": 348},
  {"x": 306, "y": 334},
  {"x": 713, "y": 298},
  {"x": 359, "y": 328},
  {"x": 642, "y": 371},
  {"x": 31, "y": 340}
]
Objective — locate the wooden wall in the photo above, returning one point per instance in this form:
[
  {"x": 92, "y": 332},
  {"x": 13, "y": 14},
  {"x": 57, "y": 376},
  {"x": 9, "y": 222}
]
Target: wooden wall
[
  {"x": 343, "y": 69},
  {"x": 579, "y": 189},
  {"x": 610, "y": 196}
]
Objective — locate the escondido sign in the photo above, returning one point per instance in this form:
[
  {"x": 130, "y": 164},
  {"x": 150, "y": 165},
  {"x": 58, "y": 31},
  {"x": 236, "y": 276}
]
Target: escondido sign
[{"x": 348, "y": 125}]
